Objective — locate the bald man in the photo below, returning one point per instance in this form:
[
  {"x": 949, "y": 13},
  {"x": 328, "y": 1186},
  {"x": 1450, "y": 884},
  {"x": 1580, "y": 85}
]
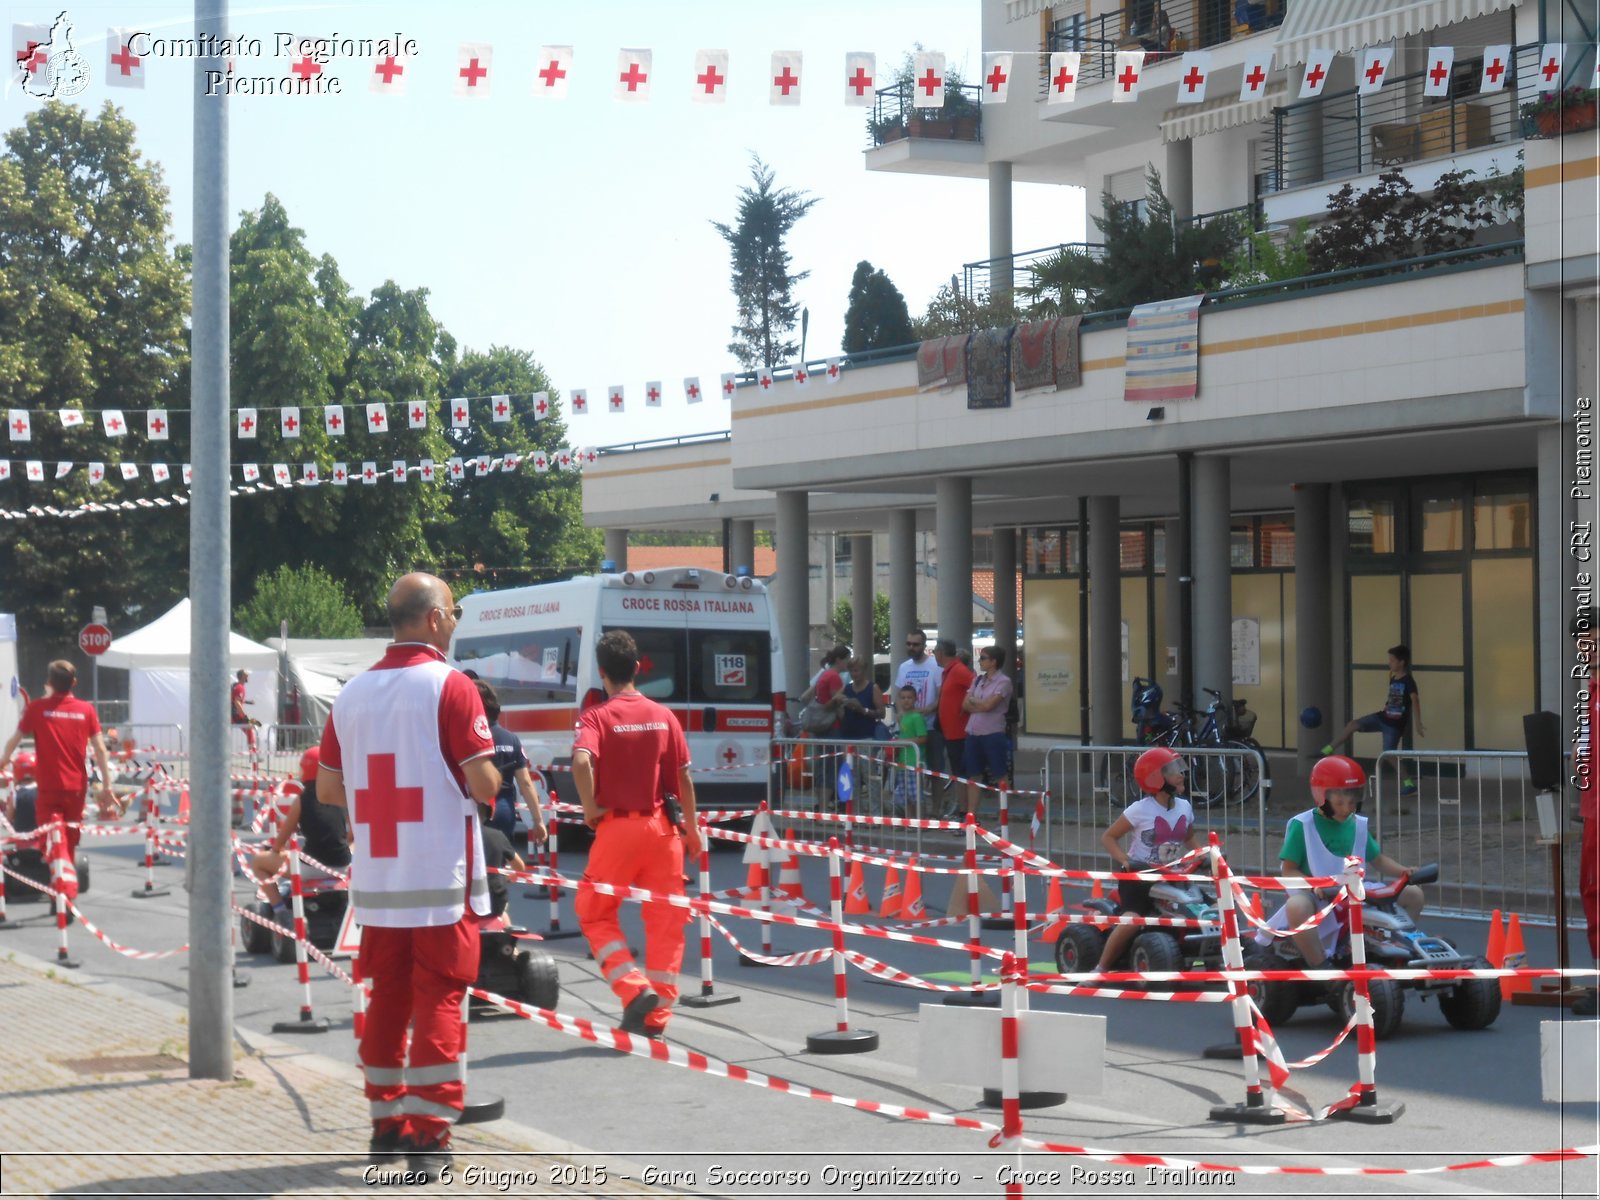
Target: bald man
[{"x": 407, "y": 750}]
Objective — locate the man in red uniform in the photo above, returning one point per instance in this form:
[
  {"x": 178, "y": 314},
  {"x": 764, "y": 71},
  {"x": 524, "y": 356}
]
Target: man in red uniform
[
  {"x": 1586, "y": 633},
  {"x": 628, "y": 755},
  {"x": 407, "y": 750},
  {"x": 63, "y": 729},
  {"x": 236, "y": 712}
]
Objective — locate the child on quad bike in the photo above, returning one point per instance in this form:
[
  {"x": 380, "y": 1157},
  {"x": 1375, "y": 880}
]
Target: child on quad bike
[{"x": 1162, "y": 824}]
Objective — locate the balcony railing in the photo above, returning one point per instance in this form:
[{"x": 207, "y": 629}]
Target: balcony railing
[
  {"x": 1162, "y": 30},
  {"x": 1346, "y": 134},
  {"x": 977, "y": 278},
  {"x": 896, "y": 116}
]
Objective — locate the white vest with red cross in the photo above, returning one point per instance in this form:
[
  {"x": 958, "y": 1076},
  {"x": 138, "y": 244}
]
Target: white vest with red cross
[{"x": 414, "y": 826}]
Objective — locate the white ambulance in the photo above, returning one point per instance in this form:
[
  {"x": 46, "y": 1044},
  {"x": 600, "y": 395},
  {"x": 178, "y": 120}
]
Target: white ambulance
[{"x": 708, "y": 650}]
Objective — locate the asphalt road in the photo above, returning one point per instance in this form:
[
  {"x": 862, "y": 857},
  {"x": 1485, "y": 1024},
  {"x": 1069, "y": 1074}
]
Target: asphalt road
[{"x": 1468, "y": 1095}]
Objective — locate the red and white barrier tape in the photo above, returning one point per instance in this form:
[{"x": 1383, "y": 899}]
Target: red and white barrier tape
[{"x": 332, "y": 967}]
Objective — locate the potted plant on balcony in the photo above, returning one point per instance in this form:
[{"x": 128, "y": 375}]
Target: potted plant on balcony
[
  {"x": 957, "y": 119},
  {"x": 1571, "y": 110},
  {"x": 886, "y": 129}
]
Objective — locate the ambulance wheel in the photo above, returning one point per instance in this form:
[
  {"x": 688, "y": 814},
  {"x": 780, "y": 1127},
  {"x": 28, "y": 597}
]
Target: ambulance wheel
[
  {"x": 538, "y": 981},
  {"x": 1472, "y": 1003},
  {"x": 256, "y": 939},
  {"x": 83, "y": 873},
  {"x": 1078, "y": 949},
  {"x": 1388, "y": 1001},
  {"x": 1276, "y": 998},
  {"x": 1154, "y": 951},
  {"x": 282, "y": 947}
]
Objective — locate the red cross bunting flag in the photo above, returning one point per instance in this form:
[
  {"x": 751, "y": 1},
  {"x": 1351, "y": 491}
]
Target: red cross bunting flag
[
  {"x": 1192, "y": 79},
  {"x": 378, "y": 418},
  {"x": 614, "y": 398},
  {"x": 388, "y": 77},
  {"x": 473, "y": 60},
  {"x": 333, "y": 420},
  {"x": 927, "y": 79},
  {"x": 460, "y": 414},
  {"x": 633, "y": 76},
  {"x": 252, "y": 472},
  {"x": 130, "y": 472},
  {"x": 425, "y": 471},
  {"x": 188, "y": 474},
  {"x": 785, "y": 77},
  {"x": 455, "y": 468},
  {"x": 510, "y": 462},
  {"x": 1436, "y": 79},
  {"x": 160, "y": 472},
  {"x": 280, "y": 474},
  {"x": 480, "y": 466},
  {"x": 369, "y": 472},
  {"x": 1372, "y": 69},
  {"x": 97, "y": 473},
  {"x": 1316, "y": 76},
  {"x": 691, "y": 389},
  {"x": 416, "y": 415},
  {"x": 1125, "y": 83},
  {"x": 540, "y": 404},
  {"x": 247, "y": 422},
  {"x": 800, "y": 375},
  {"x": 541, "y": 462},
  {"x": 550, "y": 79},
  {"x": 399, "y": 472},
  {"x": 308, "y": 474},
  {"x": 1551, "y": 61},
  {"x": 1496, "y": 66},
  {"x": 500, "y": 408},
  {"x": 340, "y": 474},
  {"x": 71, "y": 417},
  {"x": 1064, "y": 66},
  {"x": 580, "y": 401},
  {"x": 5, "y": 468},
  {"x": 20, "y": 424},
  {"x": 730, "y": 382},
  {"x": 1257, "y": 68},
  {"x": 860, "y": 73},
  {"x": 289, "y": 422},
  {"x": 111, "y": 420},
  {"x": 833, "y": 369},
  {"x": 156, "y": 426},
  {"x": 35, "y": 471},
  {"x": 563, "y": 459},
  {"x": 30, "y": 57},
  {"x": 652, "y": 394},
  {"x": 124, "y": 68},
  {"x": 63, "y": 469},
  {"x": 588, "y": 456},
  {"x": 710, "y": 77},
  {"x": 996, "y": 76}
]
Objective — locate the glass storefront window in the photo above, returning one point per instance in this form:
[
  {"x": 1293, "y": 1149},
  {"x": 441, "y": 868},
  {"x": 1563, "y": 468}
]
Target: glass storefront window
[
  {"x": 1371, "y": 526},
  {"x": 1502, "y": 522},
  {"x": 1241, "y": 550},
  {"x": 1042, "y": 552},
  {"x": 1132, "y": 548},
  {"x": 1158, "y": 550},
  {"x": 1277, "y": 542},
  {"x": 1443, "y": 523}
]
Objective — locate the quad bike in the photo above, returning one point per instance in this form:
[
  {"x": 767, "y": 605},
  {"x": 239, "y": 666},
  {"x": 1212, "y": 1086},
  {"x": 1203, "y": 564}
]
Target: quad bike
[
  {"x": 324, "y": 901},
  {"x": 27, "y": 856},
  {"x": 508, "y": 969},
  {"x": 1392, "y": 940},
  {"x": 1079, "y": 947}
]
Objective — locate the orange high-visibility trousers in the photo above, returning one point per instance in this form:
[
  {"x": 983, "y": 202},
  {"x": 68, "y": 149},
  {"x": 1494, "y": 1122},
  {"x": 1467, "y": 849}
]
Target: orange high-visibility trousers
[{"x": 636, "y": 850}]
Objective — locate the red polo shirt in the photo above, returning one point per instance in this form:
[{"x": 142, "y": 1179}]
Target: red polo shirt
[
  {"x": 637, "y": 746},
  {"x": 61, "y": 727}
]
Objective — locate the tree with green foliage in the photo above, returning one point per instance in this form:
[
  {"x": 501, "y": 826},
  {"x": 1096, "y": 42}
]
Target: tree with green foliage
[
  {"x": 1150, "y": 255},
  {"x": 950, "y": 312},
  {"x": 312, "y": 601},
  {"x": 1265, "y": 257},
  {"x": 844, "y": 621},
  {"x": 763, "y": 285},
  {"x": 876, "y": 316},
  {"x": 92, "y": 308}
]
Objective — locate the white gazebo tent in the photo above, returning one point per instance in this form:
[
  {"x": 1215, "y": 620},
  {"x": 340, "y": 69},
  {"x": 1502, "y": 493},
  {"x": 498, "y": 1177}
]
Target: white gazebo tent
[{"x": 157, "y": 661}]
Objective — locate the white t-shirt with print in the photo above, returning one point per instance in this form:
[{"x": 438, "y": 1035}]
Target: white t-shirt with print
[
  {"x": 1159, "y": 833},
  {"x": 924, "y": 676}
]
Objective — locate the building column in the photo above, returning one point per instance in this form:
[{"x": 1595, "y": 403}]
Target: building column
[
  {"x": 1313, "y": 623},
  {"x": 902, "y": 579},
  {"x": 952, "y": 523},
  {"x": 1005, "y": 596},
  {"x": 1178, "y": 178},
  {"x": 1213, "y": 580},
  {"x": 861, "y": 596},
  {"x": 792, "y": 536},
  {"x": 1000, "y": 274},
  {"x": 1105, "y": 620},
  {"x": 617, "y": 547},
  {"x": 742, "y": 545},
  {"x": 1172, "y": 680}
]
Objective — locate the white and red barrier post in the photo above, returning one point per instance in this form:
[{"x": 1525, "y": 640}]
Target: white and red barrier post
[
  {"x": 149, "y": 891},
  {"x": 475, "y": 1109},
  {"x": 1006, "y": 877},
  {"x": 974, "y": 924},
  {"x": 708, "y": 997},
  {"x": 1010, "y": 1061},
  {"x": 1366, "y": 1109},
  {"x": 554, "y": 844},
  {"x": 308, "y": 1022},
  {"x": 841, "y": 1039},
  {"x": 1256, "y": 1109},
  {"x": 58, "y": 856}
]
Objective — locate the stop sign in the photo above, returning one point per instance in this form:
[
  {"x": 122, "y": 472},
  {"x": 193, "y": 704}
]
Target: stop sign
[{"x": 94, "y": 639}]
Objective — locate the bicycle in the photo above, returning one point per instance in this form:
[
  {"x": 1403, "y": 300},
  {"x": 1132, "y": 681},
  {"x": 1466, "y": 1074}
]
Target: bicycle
[{"x": 1213, "y": 778}]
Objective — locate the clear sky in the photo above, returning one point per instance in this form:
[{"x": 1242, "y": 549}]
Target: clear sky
[{"x": 579, "y": 229}]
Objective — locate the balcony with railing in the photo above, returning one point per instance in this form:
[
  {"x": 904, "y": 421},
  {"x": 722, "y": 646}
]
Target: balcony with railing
[
  {"x": 895, "y": 115},
  {"x": 1346, "y": 134},
  {"x": 978, "y": 279},
  {"x": 1161, "y": 30}
]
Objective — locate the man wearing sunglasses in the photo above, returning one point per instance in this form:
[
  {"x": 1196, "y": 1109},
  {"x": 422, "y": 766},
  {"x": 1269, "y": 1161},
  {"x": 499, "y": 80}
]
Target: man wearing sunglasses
[{"x": 921, "y": 673}]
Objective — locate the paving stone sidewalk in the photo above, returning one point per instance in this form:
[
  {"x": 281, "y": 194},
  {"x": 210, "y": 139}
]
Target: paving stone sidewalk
[{"x": 290, "y": 1123}]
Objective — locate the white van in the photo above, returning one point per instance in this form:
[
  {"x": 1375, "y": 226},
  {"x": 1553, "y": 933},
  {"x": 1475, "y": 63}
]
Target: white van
[{"x": 708, "y": 650}]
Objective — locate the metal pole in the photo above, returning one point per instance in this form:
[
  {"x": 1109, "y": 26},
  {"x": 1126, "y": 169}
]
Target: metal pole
[{"x": 208, "y": 863}]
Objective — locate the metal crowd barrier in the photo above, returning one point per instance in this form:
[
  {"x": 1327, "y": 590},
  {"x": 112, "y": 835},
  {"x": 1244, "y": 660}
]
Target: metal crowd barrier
[
  {"x": 1472, "y": 812},
  {"x": 1089, "y": 786},
  {"x": 805, "y": 776},
  {"x": 282, "y": 746}
]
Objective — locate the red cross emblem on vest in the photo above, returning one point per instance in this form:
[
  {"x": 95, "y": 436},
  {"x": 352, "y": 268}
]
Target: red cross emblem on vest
[{"x": 383, "y": 805}]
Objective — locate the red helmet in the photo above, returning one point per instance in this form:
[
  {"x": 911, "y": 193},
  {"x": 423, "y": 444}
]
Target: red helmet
[
  {"x": 310, "y": 761},
  {"x": 23, "y": 764},
  {"x": 1150, "y": 766},
  {"x": 1336, "y": 773}
]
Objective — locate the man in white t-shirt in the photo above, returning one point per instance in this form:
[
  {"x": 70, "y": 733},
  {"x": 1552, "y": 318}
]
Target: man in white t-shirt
[{"x": 923, "y": 675}]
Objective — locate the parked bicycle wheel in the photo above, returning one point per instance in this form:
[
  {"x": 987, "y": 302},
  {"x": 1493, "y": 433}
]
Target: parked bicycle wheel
[
  {"x": 1244, "y": 773},
  {"x": 1208, "y": 780}
]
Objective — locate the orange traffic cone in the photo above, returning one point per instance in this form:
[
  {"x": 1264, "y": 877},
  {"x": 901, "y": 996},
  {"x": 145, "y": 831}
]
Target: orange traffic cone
[
  {"x": 1497, "y": 940},
  {"x": 183, "y": 807},
  {"x": 1099, "y": 892},
  {"x": 1054, "y": 903},
  {"x": 1255, "y": 906},
  {"x": 1516, "y": 956},
  {"x": 855, "y": 896},
  {"x": 893, "y": 902},
  {"x": 789, "y": 874},
  {"x": 913, "y": 909},
  {"x": 756, "y": 879}
]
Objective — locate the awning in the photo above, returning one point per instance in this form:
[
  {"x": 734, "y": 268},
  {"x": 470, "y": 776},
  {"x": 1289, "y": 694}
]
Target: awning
[
  {"x": 1346, "y": 25},
  {"x": 1192, "y": 120},
  {"x": 1017, "y": 9}
]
